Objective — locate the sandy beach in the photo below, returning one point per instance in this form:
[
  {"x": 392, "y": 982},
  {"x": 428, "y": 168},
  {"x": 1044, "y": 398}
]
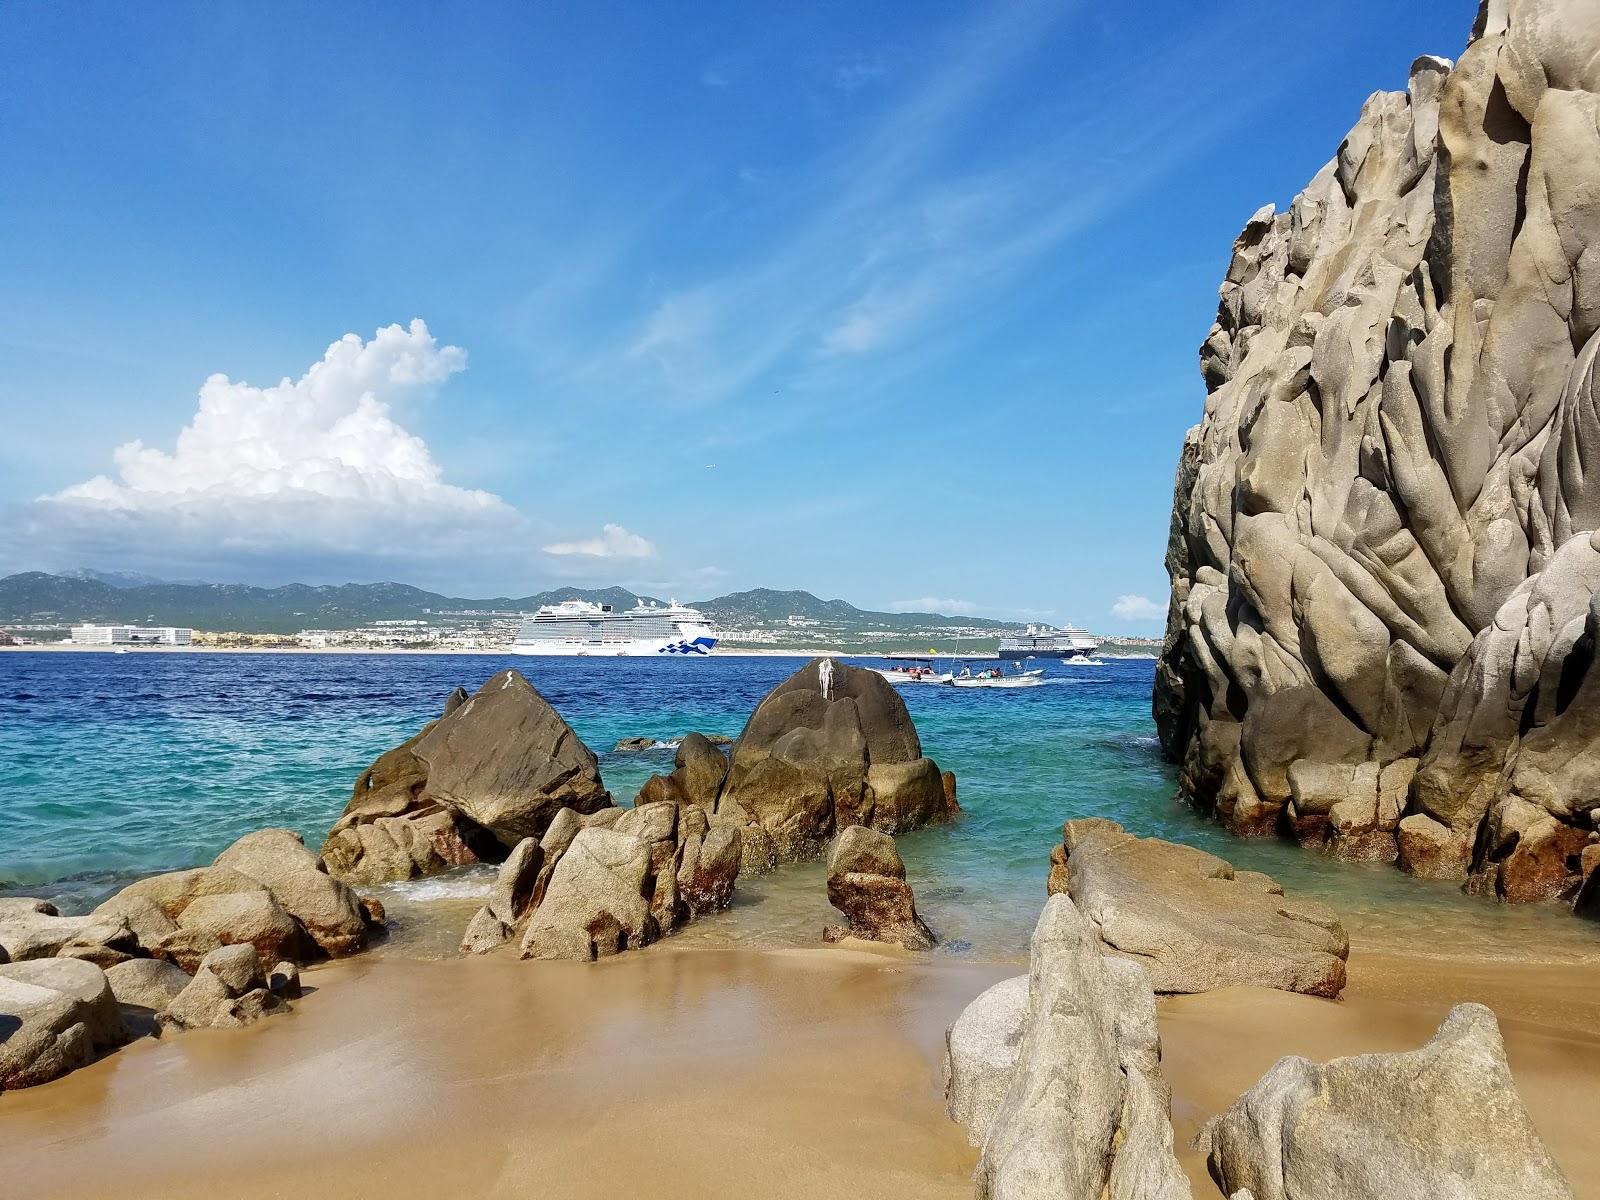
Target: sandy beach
[{"x": 689, "y": 1073}]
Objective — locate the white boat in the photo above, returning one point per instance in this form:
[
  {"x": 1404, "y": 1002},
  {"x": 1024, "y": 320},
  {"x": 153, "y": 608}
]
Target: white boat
[
  {"x": 914, "y": 670},
  {"x": 995, "y": 678},
  {"x": 577, "y": 628}
]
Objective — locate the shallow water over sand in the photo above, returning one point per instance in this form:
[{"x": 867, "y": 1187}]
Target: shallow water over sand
[{"x": 121, "y": 765}]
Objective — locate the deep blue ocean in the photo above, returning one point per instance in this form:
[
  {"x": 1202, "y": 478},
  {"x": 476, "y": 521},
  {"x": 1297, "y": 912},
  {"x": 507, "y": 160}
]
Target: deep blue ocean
[{"x": 119, "y": 765}]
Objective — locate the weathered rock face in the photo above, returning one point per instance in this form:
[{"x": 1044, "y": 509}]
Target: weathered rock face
[
  {"x": 56, "y": 1015},
  {"x": 1383, "y": 549},
  {"x": 614, "y": 880},
  {"x": 980, "y": 1055},
  {"x": 1085, "y": 1111},
  {"x": 228, "y": 991},
  {"x": 808, "y": 764},
  {"x": 494, "y": 769},
  {"x": 1190, "y": 919},
  {"x": 1444, "y": 1120},
  {"x": 266, "y": 890},
  {"x": 867, "y": 883}
]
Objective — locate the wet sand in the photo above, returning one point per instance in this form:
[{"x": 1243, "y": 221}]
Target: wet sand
[{"x": 682, "y": 1072}]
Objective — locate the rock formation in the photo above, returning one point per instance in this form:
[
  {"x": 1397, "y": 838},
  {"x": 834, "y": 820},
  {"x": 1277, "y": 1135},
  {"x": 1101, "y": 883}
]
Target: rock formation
[
  {"x": 1384, "y": 549},
  {"x": 808, "y": 764},
  {"x": 1444, "y": 1120},
  {"x": 229, "y": 990},
  {"x": 1084, "y": 1110},
  {"x": 494, "y": 769},
  {"x": 1190, "y": 919},
  {"x": 614, "y": 880},
  {"x": 56, "y": 1015},
  {"x": 867, "y": 883},
  {"x": 266, "y": 889}
]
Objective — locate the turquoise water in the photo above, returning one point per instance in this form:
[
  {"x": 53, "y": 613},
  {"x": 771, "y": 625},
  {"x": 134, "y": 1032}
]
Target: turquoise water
[{"x": 113, "y": 766}]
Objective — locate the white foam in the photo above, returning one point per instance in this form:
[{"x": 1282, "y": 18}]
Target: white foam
[{"x": 473, "y": 883}]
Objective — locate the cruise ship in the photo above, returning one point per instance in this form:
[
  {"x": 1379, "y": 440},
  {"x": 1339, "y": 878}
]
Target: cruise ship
[
  {"x": 1040, "y": 641},
  {"x": 577, "y": 627}
]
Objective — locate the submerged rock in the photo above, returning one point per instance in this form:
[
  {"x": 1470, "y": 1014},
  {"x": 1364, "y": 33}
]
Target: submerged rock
[
  {"x": 495, "y": 769},
  {"x": 1193, "y": 922},
  {"x": 1444, "y": 1120},
  {"x": 1085, "y": 1112},
  {"x": 1384, "y": 549},
  {"x": 57, "y": 1015},
  {"x": 867, "y": 883}
]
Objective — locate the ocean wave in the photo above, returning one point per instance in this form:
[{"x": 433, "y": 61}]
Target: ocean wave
[{"x": 471, "y": 883}]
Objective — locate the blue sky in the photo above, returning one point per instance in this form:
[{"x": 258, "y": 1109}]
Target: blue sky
[{"x": 715, "y": 296}]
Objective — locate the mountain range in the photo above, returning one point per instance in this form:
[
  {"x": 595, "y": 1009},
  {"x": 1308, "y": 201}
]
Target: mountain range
[{"x": 34, "y": 597}]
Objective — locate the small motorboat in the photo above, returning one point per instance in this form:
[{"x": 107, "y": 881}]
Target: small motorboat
[
  {"x": 995, "y": 677},
  {"x": 913, "y": 670}
]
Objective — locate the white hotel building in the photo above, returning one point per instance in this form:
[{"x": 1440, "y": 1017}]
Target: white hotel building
[{"x": 131, "y": 635}]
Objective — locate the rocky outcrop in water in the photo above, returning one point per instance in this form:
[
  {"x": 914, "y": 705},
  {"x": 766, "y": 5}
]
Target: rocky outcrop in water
[
  {"x": 1384, "y": 549},
  {"x": 1444, "y": 1120},
  {"x": 494, "y": 769},
  {"x": 1191, "y": 920},
  {"x": 829, "y": 747},
  {"x": 867, "y": 883},
  {"x": 1082, "y": 1109}
]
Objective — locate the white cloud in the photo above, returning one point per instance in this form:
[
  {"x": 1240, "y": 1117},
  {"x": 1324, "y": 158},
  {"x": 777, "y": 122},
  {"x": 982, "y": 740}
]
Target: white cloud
[
  {"x": 309, "y": 475},
  {"x": 614, "y": 542},
  {"x": 935, "y": 604},
  {"x": 1138, "y": 608}
]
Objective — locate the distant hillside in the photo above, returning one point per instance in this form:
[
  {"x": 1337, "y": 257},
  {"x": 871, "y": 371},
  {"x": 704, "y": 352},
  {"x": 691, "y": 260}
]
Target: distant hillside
[
  {"x": 37, "y": 598},
  {"x": 763, "y": 606}
]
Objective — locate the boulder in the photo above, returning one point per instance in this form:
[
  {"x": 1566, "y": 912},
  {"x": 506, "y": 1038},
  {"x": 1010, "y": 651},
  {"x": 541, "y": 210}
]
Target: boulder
[
  {"x": 150, "y": 983},
  {"x": 1385, "y": 534},
  {"x": 284, "y": 981},
  {"x": 1086, "y": 1110},
  {"x": 56, "y": 1015},
  {"x": 251, "y": 919},
  {"x": 495, "y": 769},
  {"x": 173, "y": 891},
  {"x": 510, "y": 901},
  {"x": 1191, "y": 920},
  {"x": 149, "y": 923},
  {"x": 98, "y": 938},
  {"x": 807, "y": 764},
  {"x": 1444, "y": 1120},
  {"x": 229, "y": 990},
  {"x": 709, "y": 865},
  {"x": 867, "y": 882},
  {"x": 980, "y": 1055},
  {"x": 597, "y": 902},
  {"x": 326, "y": 907}
]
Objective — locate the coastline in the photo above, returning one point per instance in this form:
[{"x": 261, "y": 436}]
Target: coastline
[{"x": 705, "y": 1072}]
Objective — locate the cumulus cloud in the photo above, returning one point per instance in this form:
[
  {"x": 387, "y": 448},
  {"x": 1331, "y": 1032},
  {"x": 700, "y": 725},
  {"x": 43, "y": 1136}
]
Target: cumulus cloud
[
  {"x": 935, "y": 604},
  {"x": 1138, "y": 608},
  {"x": 309, "y": 473},
  {"x": 613, "y": 542}
]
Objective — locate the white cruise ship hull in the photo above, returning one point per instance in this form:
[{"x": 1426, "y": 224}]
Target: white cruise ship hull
[{"x": 682, "y": 647}]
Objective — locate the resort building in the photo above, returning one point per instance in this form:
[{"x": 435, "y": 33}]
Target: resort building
[{"x": 131, "y": 635}]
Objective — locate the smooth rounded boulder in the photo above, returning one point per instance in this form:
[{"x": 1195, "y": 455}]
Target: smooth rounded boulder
[
  {"x": 58, "y": 1014},
  {"x": 867, "y": 882},
  {"x": 829, "y": 747}
]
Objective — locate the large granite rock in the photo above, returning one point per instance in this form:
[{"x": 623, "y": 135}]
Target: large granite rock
[
  {"x": 980, "y": 1055},
  {"x": 1444, "y": 1120},
  {"x": 31, "y": 929},
  {"x": 867, "y": 883},
  {"x": 56, "y": 1015},
  {"x": 1085, "y": 1112},
  {"x": 1194, "y": 922},
  {"x": 494, "y": 769},
  {"x": 266, "y": 890},
  {"x": 831, "y": 746},
  {"x": 1383, "y": 546},
  {"x": 613, "y": 880}
]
